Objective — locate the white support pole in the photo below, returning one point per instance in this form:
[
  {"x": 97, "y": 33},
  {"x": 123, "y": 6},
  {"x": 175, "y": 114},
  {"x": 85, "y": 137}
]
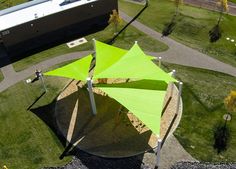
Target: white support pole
[
  {"x": 136, "y": 42},
  {"x": 158, "y": 153},
  {"x": 159, "y": 58},
  {"x": 42, "y": 80},
  {"x": 173, "y": 73},
  {"x": 91, "y": 96},
  {"x": 94, "y": 47},
  {"x": 179, "y": 96}
]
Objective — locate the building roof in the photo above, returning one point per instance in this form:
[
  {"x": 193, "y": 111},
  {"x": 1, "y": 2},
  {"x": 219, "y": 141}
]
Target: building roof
[{"x": 35, "y": 9}]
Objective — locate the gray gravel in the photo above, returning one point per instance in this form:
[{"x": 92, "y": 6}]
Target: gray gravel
[
  {"x": 83, "y": 160},
  {"x": 199, "y": 165}
]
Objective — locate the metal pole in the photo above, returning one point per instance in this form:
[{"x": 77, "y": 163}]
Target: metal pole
[
  {"x": 42, "y": 80},
  {"x": 94, "y": 47},
  {"x": 159, "y": 58},
  {"x": 179, "y": 96},
  {"x": 173, "y": 73},
  {"x": 91, "y": 96},
  {"x": 158, "y": 153}
]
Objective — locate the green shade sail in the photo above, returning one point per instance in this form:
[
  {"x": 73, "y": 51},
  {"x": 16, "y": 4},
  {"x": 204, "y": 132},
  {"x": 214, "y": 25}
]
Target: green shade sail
[
  {"x": 106, "y": 56},
  {"x": 143, "y": 97},
  {"x": 77, "y": 70},
  {"x": 133, "y": 64},
  {"x": 146, "y": 102}
]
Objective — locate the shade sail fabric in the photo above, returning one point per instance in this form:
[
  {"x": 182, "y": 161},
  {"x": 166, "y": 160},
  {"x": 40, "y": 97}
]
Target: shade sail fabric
[
  {"x": 77, "y": 70},
  {"x": 146, "y": 102},
  {"x": 134, "y": 64},
  {"x": 143, "y": 97},
  {"x": 106, "y": 56}
]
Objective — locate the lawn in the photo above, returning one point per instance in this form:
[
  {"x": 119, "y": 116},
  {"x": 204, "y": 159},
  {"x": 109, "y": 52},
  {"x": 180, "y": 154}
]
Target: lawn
[
  {"x": 193, "y": 25},
  {"x": 125, "y": 40},
  {"x": 26, "y": 141},
  {"x": 8, "y": 3},
  {"x": 203, "y": 109},
  {"x": 234, "y": 1},
  {"x": 1, "y": 76}
]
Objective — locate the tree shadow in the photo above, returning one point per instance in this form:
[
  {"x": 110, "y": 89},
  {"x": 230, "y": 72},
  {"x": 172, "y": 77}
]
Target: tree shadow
[
  {"x": 169, "y": 27},
  {"x": 215, "y": 33},
  {"x": 221, "y": 137}
]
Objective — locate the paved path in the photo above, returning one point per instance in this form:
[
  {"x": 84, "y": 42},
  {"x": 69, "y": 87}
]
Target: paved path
[
  {"x": 181, "y": 54},
  {"x": 177, "y": 53},
  {"x": 211, "y": 4},
  {"x": 11, "y": 77}
]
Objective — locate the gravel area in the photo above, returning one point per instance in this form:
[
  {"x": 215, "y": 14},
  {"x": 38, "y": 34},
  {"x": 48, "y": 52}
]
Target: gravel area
[
  {"x": 200, "y": 165},
  {"x": 83, "y": 160}
]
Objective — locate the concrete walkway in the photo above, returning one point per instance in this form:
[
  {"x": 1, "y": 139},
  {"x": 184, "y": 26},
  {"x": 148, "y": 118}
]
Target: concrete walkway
[
  {"x": 212, "y": 5},
  {"x": 11, "y": 77},
  {"x": 177, "y": 53},
  {"x": 181, "y": 54}
]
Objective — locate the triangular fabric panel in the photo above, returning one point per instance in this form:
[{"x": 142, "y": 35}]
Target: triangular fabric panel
[
  {"x": 77, "y": 70},
  {"x": 140, "y": 84},
  {"x": 134, "y": 64},
  {"x": 106, "y": 55},
  {"x": 144, "y": 104}
]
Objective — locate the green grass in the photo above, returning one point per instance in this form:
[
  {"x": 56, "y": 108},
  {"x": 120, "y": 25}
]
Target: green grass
[
  {"x": 26, "y": 141},
  {"x": 1, "y": 76},
  {"x": 203, "y": 109},
  {"x": 126, "y": 40},
  {"x": 234, "y": 1},
  {"x": 8, "y": 3},
  {"x": 192, "y": 27}
]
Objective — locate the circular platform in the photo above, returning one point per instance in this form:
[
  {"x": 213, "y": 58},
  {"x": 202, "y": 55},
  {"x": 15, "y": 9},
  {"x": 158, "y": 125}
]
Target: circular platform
[{"x": 114, "y": 132}]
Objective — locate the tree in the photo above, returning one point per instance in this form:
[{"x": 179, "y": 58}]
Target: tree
[
  {"x": 170, "y": 26},
  {"x": 215, "y": 32},
  {"x": 222, "y": 131},
  {"x": 177, "y": 4},
  {"x": 223, "y": 6},
  {"x": 230, "y": 102},
  {"x": 115, "y": 20}
]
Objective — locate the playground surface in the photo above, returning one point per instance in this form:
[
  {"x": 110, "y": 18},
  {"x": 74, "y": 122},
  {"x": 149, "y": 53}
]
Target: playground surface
[{"x": 114, "y": 132}]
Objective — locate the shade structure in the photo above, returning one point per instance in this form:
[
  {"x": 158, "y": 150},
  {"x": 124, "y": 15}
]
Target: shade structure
[
  {"x": 77, "y": 70},
  {"x": 133, "y": 64},
  {"x": 143, "y": 96},
  {"x": 106, "y": 56}
]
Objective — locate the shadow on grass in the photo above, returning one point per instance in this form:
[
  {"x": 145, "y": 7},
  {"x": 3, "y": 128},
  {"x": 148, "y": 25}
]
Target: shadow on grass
[
  {"x": 36, "y": 100},
  {"x": 47, "y": 115},
  {"x": 169, "y": 27},
  {"x": 221, "y": 137},
  {"x": 89, "y": 127},
  {"x": 215, "y": 33}
]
